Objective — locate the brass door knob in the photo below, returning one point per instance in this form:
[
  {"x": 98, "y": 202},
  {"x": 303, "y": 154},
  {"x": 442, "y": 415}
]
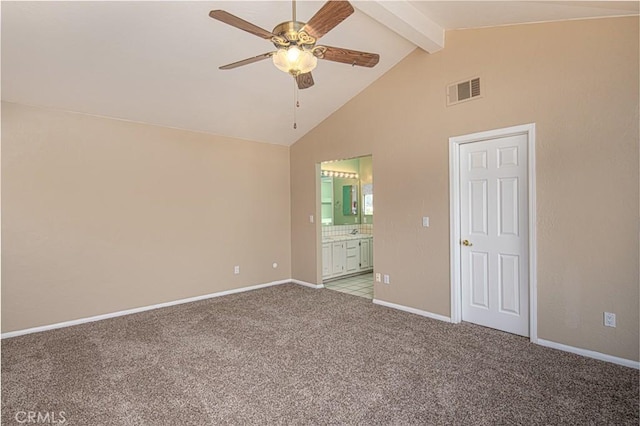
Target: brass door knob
[{"x": 466, "y": 243}]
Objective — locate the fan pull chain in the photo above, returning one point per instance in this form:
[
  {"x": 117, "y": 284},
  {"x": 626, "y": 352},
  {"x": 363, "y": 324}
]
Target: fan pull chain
[{"x": 296, "y": 104}]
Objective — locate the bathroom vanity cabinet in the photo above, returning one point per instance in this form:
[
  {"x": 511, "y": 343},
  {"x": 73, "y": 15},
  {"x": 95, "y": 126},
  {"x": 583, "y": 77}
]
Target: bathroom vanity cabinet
[{"x": 346, "y": 255}]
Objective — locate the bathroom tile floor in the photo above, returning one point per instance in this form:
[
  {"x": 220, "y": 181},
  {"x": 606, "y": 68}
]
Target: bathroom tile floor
[{"x": 358, "y": 285}]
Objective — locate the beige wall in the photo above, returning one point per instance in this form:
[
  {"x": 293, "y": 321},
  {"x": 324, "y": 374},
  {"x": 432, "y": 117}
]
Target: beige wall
[
  {"x": 578, "y": 81},
  {"x": 101, "y": 215}
]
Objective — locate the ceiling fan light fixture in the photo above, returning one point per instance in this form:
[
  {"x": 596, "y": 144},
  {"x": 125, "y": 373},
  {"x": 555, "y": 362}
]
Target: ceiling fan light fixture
[{"x": 294, "y": 60}]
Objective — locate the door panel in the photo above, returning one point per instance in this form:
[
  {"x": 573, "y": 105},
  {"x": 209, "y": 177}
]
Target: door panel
[
  {"x": 364, "y": 253},
  {"x": 494, "y": 215},
  {"x": 353, "y": 256},
  {"x": 339, "y": 258},
  {"x": 479, "y": 280},
  {"x": 508, "y": 206},
  {"x": 509, "y": 282},
  {"x": 478, "y": 204},
  {"x": 327, "y": 263}
]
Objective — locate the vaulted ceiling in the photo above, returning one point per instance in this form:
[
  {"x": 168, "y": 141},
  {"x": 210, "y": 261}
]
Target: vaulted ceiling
[{"x": 157, "y": 62}]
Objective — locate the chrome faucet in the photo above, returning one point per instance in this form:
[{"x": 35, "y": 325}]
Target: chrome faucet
[{"x": 353, "y": 232}]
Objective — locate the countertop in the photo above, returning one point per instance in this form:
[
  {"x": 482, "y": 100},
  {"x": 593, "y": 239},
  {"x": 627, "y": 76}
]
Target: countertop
[{"x": 344, "y": 237}]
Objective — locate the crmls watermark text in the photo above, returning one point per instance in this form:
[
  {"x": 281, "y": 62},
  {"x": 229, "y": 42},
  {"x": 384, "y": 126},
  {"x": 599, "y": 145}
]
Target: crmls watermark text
[{"x": 41, "y": 417}]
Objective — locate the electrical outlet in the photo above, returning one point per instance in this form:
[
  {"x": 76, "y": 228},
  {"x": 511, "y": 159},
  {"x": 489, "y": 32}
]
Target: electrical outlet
[
  {"x": 425, "y": 221},
  {"x": 609, "y": 319},
  {"x": 378, "y": 277},
  {"x": 310, "y": 218},
  {"x": 386, "y": 279},
  {"x": 236, "y": 270}
]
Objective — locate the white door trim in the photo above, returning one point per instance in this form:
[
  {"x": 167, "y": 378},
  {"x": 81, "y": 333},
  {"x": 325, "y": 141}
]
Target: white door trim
[{"x": 454, "y": 219}]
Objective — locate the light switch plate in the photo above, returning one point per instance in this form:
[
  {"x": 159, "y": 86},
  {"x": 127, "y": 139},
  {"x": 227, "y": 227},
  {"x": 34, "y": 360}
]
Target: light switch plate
[{"x": 425, "y": 221}]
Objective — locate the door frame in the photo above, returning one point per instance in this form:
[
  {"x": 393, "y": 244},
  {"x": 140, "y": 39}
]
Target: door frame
[{"x": 454, "y": 217}]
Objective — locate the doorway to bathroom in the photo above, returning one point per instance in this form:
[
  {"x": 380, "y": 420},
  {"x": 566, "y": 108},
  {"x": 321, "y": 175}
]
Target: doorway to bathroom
[{"x": 346, "y": 205}]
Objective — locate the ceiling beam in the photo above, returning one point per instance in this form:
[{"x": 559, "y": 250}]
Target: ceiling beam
[{"x": 407, "y": 21}]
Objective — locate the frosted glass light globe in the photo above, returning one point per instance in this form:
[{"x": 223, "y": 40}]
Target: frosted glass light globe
[
  {"x": 293, "y": 53},
  {"x": 295, "y": 60}
]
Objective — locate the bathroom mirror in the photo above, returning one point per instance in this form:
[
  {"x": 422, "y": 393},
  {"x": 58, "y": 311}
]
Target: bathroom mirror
[
  {"x": 340, "y": 203},
  {"x": 350, "y": 200},
  {"x": 346, "y": 191}
]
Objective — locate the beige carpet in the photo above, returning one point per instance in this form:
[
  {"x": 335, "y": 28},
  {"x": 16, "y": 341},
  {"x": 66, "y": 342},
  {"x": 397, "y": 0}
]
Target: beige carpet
[{"x": 292, "y": 355}]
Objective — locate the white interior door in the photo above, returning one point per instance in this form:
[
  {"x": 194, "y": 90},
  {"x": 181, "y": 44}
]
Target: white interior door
[{"x": 494, "y": 267}]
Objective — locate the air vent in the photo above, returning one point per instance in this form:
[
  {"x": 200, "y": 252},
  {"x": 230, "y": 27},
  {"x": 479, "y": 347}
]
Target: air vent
[{"x": 463, "y": 91}]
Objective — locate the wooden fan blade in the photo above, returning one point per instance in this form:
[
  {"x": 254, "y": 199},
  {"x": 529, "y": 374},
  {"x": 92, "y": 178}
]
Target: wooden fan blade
[
  {"x": 346, "y": 56},
  {"x": 330, "y": 14},
  {"x": 304, "y": 80},
  {"x": 247, "y": 61},
  {"x": 239, "y": 23}
]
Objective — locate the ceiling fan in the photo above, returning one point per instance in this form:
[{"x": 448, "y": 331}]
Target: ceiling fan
[{"x": 295, "y": 41}]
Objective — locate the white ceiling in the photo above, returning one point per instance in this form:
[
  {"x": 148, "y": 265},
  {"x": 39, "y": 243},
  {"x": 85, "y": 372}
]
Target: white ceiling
[{"x": 156, "y": 62}]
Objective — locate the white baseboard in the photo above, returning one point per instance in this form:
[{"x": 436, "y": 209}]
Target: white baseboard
[
  {"x": 590, "y": 354},
  {"x": 584, "y": 352},
  {"x": 136, "y": 310},
  {"x": 412, "y": 310},
  {"x": 542, "y": 342},
  {"x": 306, "y": 284}
]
